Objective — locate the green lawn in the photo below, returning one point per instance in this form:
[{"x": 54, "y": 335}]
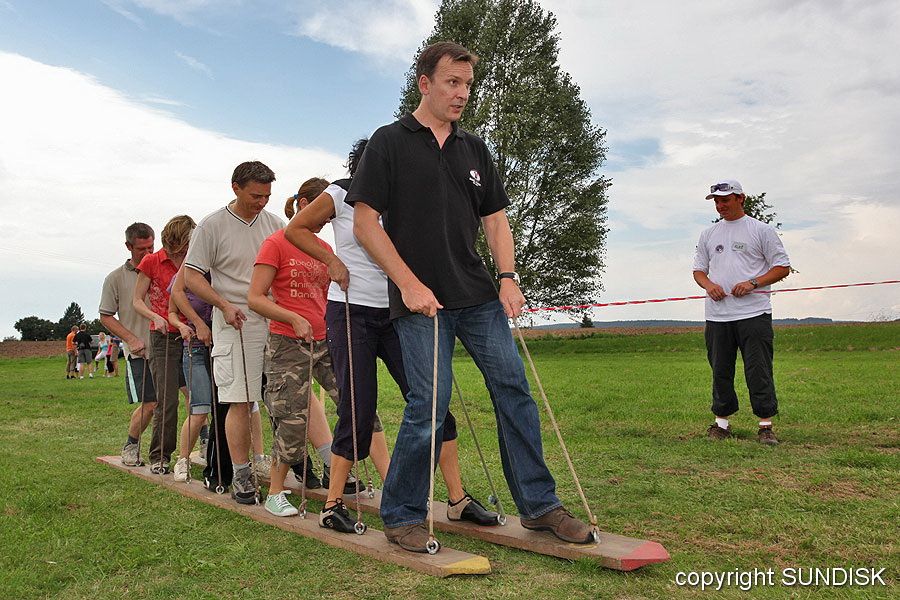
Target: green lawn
[{"x": 633, "y": 410}]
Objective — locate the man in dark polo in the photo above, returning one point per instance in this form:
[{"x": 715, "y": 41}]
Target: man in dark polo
[{"x": 434, "y": 184}]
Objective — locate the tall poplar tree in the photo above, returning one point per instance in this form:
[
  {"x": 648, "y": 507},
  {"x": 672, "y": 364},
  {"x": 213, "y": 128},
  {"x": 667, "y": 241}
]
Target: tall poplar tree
[{"x": 548, "y": 153}]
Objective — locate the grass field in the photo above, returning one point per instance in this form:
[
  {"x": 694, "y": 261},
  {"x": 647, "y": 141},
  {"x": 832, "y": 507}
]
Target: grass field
[{"x": 633, "y": 410}]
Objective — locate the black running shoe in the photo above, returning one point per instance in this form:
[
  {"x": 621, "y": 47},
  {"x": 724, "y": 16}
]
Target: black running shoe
[
  {"x": 337, "y": 517},
  {"x": 470, "y": 509},
  {"x": 349, "y": 487},
  {"x": 312, "y": 480}
]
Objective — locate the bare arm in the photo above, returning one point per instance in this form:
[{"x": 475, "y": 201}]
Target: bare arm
[
  {"x": 183, "y": 328},
  {"x": 500, "y": 241},
  {"x": 713, "y": 290},
  {"x": 140, "y": 292},
  {"x": 134, "y": 343},
  {"x": 194, "y": 280},
  {"x": 299, "y": 232},
  {"x": 773, "y": 275},
  {"x": 416, "y": 295},
  {"x": 183, "y": 305},
  {"x": 257, "y": 300}
]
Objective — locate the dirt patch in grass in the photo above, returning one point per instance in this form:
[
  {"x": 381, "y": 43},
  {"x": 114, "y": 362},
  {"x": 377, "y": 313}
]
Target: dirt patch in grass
[
  {"x": 15, "y": 349},
  {"x": 841, "y": 489}
]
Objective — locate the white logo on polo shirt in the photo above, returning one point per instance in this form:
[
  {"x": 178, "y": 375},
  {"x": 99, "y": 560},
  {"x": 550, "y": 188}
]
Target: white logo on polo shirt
[{"x": 475, "y": 178}]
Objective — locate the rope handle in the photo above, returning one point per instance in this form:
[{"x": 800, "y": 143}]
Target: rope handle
[
  {"x": 360, "y": 526},
  {"x": 434, "y": 394},
  {"x": 249, "y": 417}
]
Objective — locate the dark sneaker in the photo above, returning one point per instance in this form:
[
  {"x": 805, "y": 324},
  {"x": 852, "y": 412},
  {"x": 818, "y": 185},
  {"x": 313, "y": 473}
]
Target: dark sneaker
[
  {"x": 242, "y": 488},
  {"x": 159, "y": 468},
  {"x": 337, "y": 517},
  {"x": 312, "y": 480},
  {"x": 717, "y": 433},
  {"x": 409, "y": 537},
  {"x": 212, "y": 484},
  {"x": 349, "y": 487},
  {"x": 767, "y": 436},
  {"x": 130, "y": 455},
  {"x": 562, "y": 524},
  {"x": 470, "y": 509}
]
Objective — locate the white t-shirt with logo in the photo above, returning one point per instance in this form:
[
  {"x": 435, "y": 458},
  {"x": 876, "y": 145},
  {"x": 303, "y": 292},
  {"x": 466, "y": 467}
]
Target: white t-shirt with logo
[
  {"x": 730, "y": 252},
  {"x": 368, "y": 283}
]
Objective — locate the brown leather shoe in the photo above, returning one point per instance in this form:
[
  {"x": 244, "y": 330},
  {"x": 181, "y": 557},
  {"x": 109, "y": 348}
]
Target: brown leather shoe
[
  {"x": 717, "y": 433},
  {"x": 409, "y": 537},
  {"x": 562, "y": 524},
  {"x": 767, "y": 436}
]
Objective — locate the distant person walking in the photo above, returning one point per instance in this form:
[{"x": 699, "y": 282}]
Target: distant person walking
[
  {"x": 102, "y": 349},
  {"x": 736, "y": 257},
  {"x": 71, "y": 354},
  {"x": 85, "y": 355}
]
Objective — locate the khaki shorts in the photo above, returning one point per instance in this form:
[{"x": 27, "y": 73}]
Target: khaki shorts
[
  {"x": 287, "y": 367},
  {"x": 228, "y": 359}
]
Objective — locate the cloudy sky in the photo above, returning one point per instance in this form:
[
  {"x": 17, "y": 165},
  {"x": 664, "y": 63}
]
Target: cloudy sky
[{"x": 120, "y": 110}]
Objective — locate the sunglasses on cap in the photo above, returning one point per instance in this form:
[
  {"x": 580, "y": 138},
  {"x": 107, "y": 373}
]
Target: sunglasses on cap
[{"x": 721, "y": 187}]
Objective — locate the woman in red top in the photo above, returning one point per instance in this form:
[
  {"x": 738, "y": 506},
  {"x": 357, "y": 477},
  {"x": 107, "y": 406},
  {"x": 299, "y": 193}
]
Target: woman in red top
[
  {"x": 154, "y": 274},
  {"x": 299, "y": 285}
]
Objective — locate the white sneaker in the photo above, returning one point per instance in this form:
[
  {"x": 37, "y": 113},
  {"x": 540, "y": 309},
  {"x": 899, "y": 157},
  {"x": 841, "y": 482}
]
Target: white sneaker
[
  {"x": 91, "y": 375},
  {"x": 263, "y": 466},
  {"x": 279, "y": 506},
  {"x": 183, "y": 469}
]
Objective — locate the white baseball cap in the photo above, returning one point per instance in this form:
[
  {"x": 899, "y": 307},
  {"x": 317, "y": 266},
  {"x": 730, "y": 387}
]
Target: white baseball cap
[{"x": 724, "y": 187}]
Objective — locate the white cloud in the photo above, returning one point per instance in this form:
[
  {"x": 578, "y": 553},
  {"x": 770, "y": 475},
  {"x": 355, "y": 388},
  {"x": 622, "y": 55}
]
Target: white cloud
[
  {"x": 388, "y": 30},
  {"x": 80, "y": 161},
  {"x": 799, "y": 100},
  {"x": 163, "y": 101},
  {"x": 183, "y": 11},
  {"x": 118, "y": 6},
  {"x": 195, "y": 64}
]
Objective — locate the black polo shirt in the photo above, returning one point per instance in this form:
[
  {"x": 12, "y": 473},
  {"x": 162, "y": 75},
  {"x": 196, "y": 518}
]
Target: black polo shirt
[{"x": 431, "y": 200}]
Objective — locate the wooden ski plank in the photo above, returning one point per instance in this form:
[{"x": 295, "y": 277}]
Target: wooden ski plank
[
  {"x": 373, "y": 544},
  {"x": 614, "y": 551}
]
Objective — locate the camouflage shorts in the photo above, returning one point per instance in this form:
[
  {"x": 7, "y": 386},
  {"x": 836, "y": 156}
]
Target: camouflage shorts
[{"x": 286, "y": 366}]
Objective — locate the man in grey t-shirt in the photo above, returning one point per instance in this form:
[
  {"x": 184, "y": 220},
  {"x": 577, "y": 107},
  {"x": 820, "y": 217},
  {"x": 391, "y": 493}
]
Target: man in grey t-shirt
[
  {"x": 225, "y": 244},
  {"x": 132, "y": 329}
]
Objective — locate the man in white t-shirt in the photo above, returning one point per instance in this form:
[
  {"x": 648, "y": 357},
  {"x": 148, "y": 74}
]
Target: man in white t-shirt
[
  {"x": 225, "y": 244},
  {"x": 737, "y": 260}
]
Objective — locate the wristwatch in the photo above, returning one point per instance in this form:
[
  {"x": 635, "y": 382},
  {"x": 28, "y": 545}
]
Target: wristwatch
[
  {"x": 509, "y": 275},
  {"x": 755, "y": 282}
]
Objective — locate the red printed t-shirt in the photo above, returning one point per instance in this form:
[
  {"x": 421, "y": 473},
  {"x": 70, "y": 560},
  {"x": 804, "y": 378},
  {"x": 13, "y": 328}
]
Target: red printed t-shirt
[
  {"x": 160, "y": 269},
  {"x": 300, "y": 284}
]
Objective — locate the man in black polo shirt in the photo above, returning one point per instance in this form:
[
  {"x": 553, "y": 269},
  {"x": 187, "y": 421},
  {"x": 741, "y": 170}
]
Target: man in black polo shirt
[{"x": 434, "y": 184}]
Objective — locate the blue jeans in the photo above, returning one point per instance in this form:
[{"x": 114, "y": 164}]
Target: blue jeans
[
  {"x": 195, "y": 362},
  {"x": 484, "y": 331}
]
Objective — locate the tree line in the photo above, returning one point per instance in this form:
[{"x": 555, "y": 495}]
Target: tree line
[{"x": 37, "y": 329}]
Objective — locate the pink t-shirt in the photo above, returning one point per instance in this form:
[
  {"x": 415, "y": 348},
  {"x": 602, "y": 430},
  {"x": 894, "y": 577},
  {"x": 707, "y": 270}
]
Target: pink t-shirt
[
  {"x": 300, "y": 284},
  {"x": 159, "y": 268}
]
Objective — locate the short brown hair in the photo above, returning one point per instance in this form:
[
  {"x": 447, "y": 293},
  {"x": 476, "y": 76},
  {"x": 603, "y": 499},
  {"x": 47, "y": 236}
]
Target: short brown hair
[
  {"x": 309, "y": 189},
  {"x": 177, "y": 233},
  {"x": 138, "y": 231},
  {"x": 429, "y": 58},
  {"x": 252, "y": 171}
]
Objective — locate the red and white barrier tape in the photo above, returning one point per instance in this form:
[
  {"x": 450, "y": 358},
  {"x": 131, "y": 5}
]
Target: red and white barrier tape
[{"x": 657, "y": 300}]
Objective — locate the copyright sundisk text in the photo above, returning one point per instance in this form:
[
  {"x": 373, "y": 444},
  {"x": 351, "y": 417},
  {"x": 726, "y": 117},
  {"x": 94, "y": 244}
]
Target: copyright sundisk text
[{"x": 746, "y": 580}]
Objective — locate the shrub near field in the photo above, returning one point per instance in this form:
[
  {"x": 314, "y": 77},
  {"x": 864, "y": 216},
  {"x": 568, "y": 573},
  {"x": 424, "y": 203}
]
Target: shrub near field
[{"x": 633, "y": 410}]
